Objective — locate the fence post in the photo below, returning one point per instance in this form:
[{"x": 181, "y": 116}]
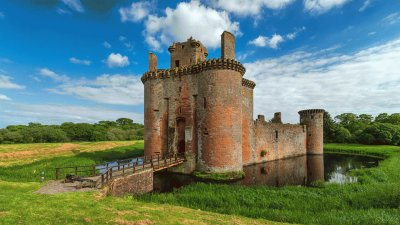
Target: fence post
[
  {"x": 102, "y": 179},
  {"x": 134, "y": 167},
  {"x": 111, "y": 174},
  {"x": 119, "y": 168},
  {"x": 123, "y": 169}
]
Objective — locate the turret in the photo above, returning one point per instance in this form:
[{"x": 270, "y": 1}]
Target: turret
[
  {"x": 187, "y": 53},
  {"x": 314, "y": 120},
  {"x": 227, "y": 45},
  {"x": 152, "y": 62}
]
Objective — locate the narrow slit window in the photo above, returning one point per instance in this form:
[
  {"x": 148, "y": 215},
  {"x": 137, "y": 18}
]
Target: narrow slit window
[
  {"x": 177, "y": 63},
  {"x": 205, "y": 102},
  {"x": 276, "y": 134}
]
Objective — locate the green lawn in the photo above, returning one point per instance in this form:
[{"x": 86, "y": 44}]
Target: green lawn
[
  {"x": 20, "y": 205},
  {"x": 374, "y": 200}
]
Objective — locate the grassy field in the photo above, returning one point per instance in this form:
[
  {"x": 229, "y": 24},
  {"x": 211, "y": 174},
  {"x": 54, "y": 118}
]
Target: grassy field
[
  {"x": 374, "y": 200},
  {"x": 20, "y": 205}
]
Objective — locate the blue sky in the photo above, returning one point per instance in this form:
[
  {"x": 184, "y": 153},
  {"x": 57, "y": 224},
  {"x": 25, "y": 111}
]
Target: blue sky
[{"x": 81, "y": 60}]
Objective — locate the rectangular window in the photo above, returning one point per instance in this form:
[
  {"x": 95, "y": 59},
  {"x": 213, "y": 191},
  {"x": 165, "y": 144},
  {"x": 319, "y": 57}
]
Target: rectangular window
[
  {"x": 177, "y": 63},
  {"x": 205, "y": 102}
]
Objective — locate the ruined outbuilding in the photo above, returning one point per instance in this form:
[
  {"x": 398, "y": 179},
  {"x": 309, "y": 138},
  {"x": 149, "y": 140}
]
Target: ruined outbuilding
[{"x": 203, "y": 108}]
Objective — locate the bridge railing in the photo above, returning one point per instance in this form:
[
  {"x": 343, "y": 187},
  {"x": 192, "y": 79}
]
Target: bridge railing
[{"x": 155, "y": 162}]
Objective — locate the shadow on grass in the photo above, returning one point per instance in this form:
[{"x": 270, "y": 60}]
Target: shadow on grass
[{"x": 45, "y": 169}]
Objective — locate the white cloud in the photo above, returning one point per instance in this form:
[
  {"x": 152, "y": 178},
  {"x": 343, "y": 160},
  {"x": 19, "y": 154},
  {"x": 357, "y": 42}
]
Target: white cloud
[
  {"x": 63, "y": 11},
  {"x": 52, "y": 75},
  {"x": 188, "y": 19},
  {"x": 4, "y": 98},
  {"x": 57, "y": 114},
  {"x": 321, "y": 6},
  {"x": 106, "y": 44},
  {"x": 252, "y": 8},
  {"x": 126, "y": 43},
  {"x": 392, "y": 18},
  {"x": 276, "y": 39},
  {"x": 136, "y": 12},
  {"x": 79, "y": 61},
  {"x": 365, "y": 5},
  {"x": 371, "y": 33},
  {"x": 117, "y": 60},
  {"x": 75, "y": 5},
  {"x": 6, "y": 83},
  {"x": 110, "y": 89},
  {"x": 366, "y": 81},
  {"x": 273, "y": 42}
]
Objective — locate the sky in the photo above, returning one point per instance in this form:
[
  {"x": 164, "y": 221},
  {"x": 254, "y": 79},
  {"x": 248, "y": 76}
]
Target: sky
[{"x": 81, "y": 60}]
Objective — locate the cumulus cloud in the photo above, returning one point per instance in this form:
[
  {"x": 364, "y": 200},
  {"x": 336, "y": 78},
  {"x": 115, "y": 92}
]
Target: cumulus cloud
[
  {"x": 57, "y": 114},
  {"x": 79, "y": 61},
  {"x": 6, "y": 83},
  {"x": 276, "y": 39},
  {"x": 262, "y": 41},
  {"x": 117, "y": 60},
  {"x": 110, "y": 89},
  {"x": 249, "y": 8},
  {"x": 75, "y": 5},
  {"x": 45, "y": 72},
  {"x": 321, "y": 6},
  {"x": 4, "y": 98},
  {"x": 188, "y": 19},
  {"x": 366, "y": 81},
  {"x": 136, "y": 12}
]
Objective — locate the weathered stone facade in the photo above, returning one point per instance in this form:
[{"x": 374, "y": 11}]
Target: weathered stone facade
[
  {"x": 204, "y": 109},
  {"x": 137, "y": 183}
]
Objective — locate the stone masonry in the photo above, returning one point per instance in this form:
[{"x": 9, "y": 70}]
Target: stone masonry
[{"x": 203, "y": 108}]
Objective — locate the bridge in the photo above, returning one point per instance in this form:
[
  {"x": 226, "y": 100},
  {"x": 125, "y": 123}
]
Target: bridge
[{"x": 98, "y": 176}]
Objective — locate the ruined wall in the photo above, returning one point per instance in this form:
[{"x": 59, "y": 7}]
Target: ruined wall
[
  {"x": 227, "y": 45},
  {"x": 247, "y": 120},
  {"x": 314, "y": 120},
  {"x": 274, "y": 141},
  {"x": 187, "y": 53},
  {"x": 137, "y": 183},
  {"x": 220, "y": 120}
]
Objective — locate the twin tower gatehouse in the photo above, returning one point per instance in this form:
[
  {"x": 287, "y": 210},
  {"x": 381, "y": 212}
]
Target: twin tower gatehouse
[{"x": 203, "y": 108}]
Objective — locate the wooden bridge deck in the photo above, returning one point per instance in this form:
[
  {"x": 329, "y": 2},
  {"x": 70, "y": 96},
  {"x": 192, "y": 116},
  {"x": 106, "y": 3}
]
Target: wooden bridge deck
[{"x": 99, "y": 179}]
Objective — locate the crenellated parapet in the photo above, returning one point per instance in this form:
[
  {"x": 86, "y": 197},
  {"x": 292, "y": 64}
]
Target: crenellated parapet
[
  {"x": 248, "y": 83},
  {"x": 310, "y": 112},
  {"x": 212, "y": 64}
]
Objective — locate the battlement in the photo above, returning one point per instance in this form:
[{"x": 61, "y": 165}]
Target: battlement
[
  {"x": 211, "y": 64},
  {"x": 310, "y": 112},
  {"x": 248, "y": 83}
]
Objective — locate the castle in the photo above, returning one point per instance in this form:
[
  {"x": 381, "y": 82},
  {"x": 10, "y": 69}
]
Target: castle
[{"x": 204, "y": 109}]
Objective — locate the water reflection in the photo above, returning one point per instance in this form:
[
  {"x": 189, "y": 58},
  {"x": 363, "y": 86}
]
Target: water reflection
[{"x": 301, "y": 170}]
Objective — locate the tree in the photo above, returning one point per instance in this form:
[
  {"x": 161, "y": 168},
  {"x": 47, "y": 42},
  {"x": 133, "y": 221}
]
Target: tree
[{"x": 124, "y": 122}]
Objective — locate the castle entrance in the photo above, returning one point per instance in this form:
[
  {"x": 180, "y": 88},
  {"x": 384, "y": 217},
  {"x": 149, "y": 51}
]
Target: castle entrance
[{"x": 180, "y": 122}]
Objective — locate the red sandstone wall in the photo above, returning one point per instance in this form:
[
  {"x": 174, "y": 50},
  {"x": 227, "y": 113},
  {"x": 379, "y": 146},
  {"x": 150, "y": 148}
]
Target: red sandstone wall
[
  {"x": 220, "y": 120},
  {"x": 247, "y": 125},
  {"x": 291, "y": 141}
]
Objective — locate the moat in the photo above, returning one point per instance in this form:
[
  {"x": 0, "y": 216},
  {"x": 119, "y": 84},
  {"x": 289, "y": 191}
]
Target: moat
[{"x": 301, "y": 170}]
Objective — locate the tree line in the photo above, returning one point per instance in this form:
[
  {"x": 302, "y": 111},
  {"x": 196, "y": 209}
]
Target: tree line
[
  {"x": 120, "y": 130},
  {"x": 383, "y": 129}
]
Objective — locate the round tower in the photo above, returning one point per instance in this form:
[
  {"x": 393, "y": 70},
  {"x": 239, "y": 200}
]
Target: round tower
[
  {"x": 314, "y": 120},
  {"x": 220, "y": 111}
]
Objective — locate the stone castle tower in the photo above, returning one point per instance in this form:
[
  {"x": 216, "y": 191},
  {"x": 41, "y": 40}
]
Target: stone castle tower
[{"x": 204, "y": 109}]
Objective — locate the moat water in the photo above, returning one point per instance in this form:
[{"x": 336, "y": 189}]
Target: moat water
[{"x": 302, "y": 170}]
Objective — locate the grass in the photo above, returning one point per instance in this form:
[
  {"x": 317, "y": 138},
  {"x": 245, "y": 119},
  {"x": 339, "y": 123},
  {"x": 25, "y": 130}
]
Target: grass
[
  {"x": 14, "y": 154},
  {"x": 374, "y": 200},
  {"x": 20, "y": 205}
]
